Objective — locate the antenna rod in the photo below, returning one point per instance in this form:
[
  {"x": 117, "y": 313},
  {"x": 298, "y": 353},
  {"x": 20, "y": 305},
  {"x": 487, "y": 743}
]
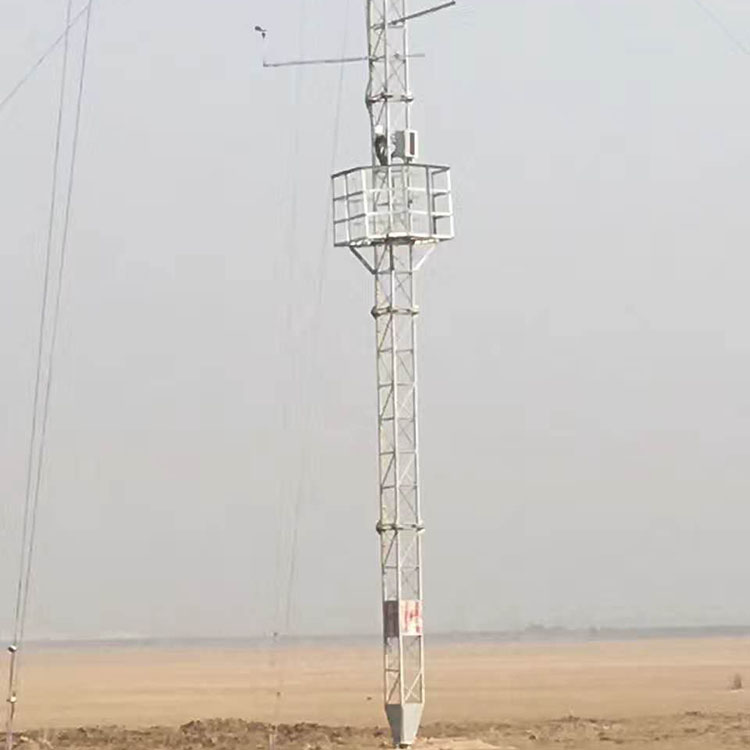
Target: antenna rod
[
  {"x": 326, "y": 61},
  {"x": 421, "y": 13}
]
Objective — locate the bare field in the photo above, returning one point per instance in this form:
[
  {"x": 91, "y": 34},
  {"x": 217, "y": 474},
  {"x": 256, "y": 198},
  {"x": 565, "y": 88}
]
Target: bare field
[{"x": 669, "y": 693}]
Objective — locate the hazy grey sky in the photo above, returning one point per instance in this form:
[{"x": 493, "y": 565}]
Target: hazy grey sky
[{"x": 585, "y": 342}]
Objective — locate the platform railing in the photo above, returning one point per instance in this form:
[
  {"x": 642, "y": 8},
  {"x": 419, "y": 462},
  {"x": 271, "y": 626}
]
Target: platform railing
[{"x": 395, "y": 203}]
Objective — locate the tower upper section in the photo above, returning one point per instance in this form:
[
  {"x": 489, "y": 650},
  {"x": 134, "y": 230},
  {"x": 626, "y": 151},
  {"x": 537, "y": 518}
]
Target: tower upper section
[{"x": 395, "y": 200}]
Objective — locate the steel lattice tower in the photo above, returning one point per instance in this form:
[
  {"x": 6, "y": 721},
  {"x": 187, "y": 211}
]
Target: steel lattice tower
[{"x": 391, "y": 215}]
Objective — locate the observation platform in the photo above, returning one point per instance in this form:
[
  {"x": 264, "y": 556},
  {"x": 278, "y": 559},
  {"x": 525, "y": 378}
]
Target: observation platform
[{"x": 399, "y": 203}]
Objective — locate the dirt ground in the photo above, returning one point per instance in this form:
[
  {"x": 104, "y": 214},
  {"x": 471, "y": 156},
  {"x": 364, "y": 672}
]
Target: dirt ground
[
  {"x": 644, "y": 694},
  {"x": 689, "y": 730}
]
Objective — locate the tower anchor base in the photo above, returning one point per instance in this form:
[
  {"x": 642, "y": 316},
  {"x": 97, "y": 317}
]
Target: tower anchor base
[{"x": 404, "y": 721}]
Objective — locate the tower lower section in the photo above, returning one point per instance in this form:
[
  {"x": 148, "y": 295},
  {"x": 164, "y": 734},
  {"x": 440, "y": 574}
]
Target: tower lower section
[{"x": 400, "y": 524}]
